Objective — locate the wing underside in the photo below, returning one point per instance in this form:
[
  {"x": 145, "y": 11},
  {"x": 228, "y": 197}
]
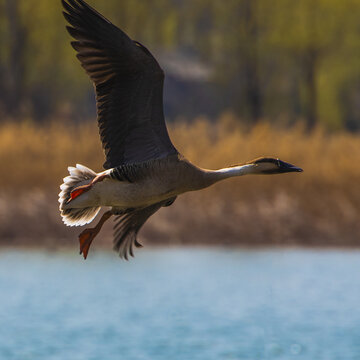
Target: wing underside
[
  {"x": 129, "y": 87},
  {"x": 129, "y": 224}
]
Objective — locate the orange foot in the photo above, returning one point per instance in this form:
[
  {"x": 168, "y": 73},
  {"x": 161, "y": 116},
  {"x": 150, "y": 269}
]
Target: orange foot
[
  {"x": 79, "y": 190},
  {"x": 85, "y": 239}
]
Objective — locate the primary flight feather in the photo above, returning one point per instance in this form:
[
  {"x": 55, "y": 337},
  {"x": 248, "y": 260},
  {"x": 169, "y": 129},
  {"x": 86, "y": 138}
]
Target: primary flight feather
[{"x": 143, "y": 169}]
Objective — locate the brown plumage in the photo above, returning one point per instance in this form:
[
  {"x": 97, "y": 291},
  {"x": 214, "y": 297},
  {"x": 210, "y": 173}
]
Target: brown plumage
[{"x": 144, "y": 171}]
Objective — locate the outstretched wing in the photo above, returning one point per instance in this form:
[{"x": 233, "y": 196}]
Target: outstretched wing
[
  {"x": 128, "y": 225},
  {"x": 129, "y": 87}
]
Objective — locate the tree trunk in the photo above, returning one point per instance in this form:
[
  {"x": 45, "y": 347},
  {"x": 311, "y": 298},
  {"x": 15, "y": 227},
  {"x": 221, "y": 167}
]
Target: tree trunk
[
  {"x": 16, "y": 66},
  {"x": 252, "y": 78},
  {"x": 253, "y": 90},
  {"x": 311, "y": 57},
  {"x": 310, "y": 67}
]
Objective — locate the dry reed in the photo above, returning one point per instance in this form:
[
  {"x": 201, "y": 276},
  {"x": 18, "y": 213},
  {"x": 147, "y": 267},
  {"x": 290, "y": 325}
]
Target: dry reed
[{"x": 318, "y": 207}]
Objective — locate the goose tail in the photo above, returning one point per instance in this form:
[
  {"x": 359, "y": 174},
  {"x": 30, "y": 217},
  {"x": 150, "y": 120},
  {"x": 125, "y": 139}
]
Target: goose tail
[{"x": 79, "y": 175}]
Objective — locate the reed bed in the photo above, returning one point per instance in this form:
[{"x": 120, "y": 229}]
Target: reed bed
[{"x": 318, "y": 207}]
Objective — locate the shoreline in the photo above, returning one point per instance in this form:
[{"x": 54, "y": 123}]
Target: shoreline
[{"x": 150, "y": 247}]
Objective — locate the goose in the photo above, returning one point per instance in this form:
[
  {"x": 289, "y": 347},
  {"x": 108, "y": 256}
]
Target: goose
[{"x": 143, "y": 170}]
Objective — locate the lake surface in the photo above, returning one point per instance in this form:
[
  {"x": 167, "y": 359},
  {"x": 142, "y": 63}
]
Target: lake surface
[{"x": 180, "y": 304}]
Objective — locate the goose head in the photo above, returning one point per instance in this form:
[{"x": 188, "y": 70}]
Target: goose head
[{"x": 273, "y": 166}]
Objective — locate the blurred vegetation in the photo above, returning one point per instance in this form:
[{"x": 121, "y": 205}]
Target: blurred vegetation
[
  {"x": 318, "y": 207},
  {"x": 280, "y": 60}
]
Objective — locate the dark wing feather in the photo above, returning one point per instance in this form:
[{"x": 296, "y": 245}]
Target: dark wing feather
[
  {"x": 128, "y": 225},
  {"x": 129, "y": 87}
]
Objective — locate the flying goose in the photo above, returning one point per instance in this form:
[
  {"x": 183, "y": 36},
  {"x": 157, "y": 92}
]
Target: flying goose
[{"x": 143, "y": 169}]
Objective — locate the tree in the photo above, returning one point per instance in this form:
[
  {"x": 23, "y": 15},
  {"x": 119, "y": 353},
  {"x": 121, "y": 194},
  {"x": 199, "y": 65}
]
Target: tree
[{"x": 13, "y": 61}]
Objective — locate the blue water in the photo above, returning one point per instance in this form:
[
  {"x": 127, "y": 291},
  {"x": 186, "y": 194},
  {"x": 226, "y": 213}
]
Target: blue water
[{"x": 180, "y": 304}]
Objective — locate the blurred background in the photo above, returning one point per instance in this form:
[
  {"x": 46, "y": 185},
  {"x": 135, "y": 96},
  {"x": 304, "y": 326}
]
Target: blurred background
[{"x": 244, "y": 78}]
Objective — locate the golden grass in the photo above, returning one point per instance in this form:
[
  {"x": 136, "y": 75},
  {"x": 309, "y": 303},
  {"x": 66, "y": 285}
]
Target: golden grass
[
  {"x": 319, "y": 206},
  {"x": 34, "y": 156}
]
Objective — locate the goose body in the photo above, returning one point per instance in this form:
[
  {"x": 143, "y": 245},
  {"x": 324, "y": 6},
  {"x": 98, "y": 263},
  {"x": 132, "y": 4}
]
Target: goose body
[
  {"x": 143, "y": 169},
  {"x": 146, "y": 184}
]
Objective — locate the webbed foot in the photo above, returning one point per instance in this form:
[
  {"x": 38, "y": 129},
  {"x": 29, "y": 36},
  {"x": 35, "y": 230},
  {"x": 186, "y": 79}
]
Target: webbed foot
[
  {"x": 79, "y": 190},
  {"x": 85, "y": 239}
]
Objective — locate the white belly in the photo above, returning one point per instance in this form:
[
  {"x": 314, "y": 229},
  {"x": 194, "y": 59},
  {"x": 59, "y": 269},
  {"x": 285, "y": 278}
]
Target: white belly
[{"x": 121, "y": 195}]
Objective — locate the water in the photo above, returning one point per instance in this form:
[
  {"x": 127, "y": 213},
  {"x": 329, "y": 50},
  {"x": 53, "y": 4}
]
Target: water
[{"x": 180, "y": 304}]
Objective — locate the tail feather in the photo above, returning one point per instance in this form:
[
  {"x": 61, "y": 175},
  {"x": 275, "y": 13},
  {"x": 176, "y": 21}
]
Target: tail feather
[{"x": 79, "y": 175}]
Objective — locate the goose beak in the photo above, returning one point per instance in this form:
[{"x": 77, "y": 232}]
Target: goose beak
[
  {"x": 286, "y": 167},
  {"x": 295, "y": 169}
]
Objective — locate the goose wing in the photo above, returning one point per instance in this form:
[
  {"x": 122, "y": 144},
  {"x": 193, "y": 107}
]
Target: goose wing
[
  {"x": 129, "y": 224},
  {"x": 129, "y": 87}
]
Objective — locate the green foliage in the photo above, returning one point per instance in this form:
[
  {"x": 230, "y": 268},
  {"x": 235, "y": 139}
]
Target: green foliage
[{"x": 277, "y": 59}]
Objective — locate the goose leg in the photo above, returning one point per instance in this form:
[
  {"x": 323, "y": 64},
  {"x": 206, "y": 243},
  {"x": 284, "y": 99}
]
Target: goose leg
[
  {"x": 84, "y": 188},
  {"x": 88, "y": 235}
]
